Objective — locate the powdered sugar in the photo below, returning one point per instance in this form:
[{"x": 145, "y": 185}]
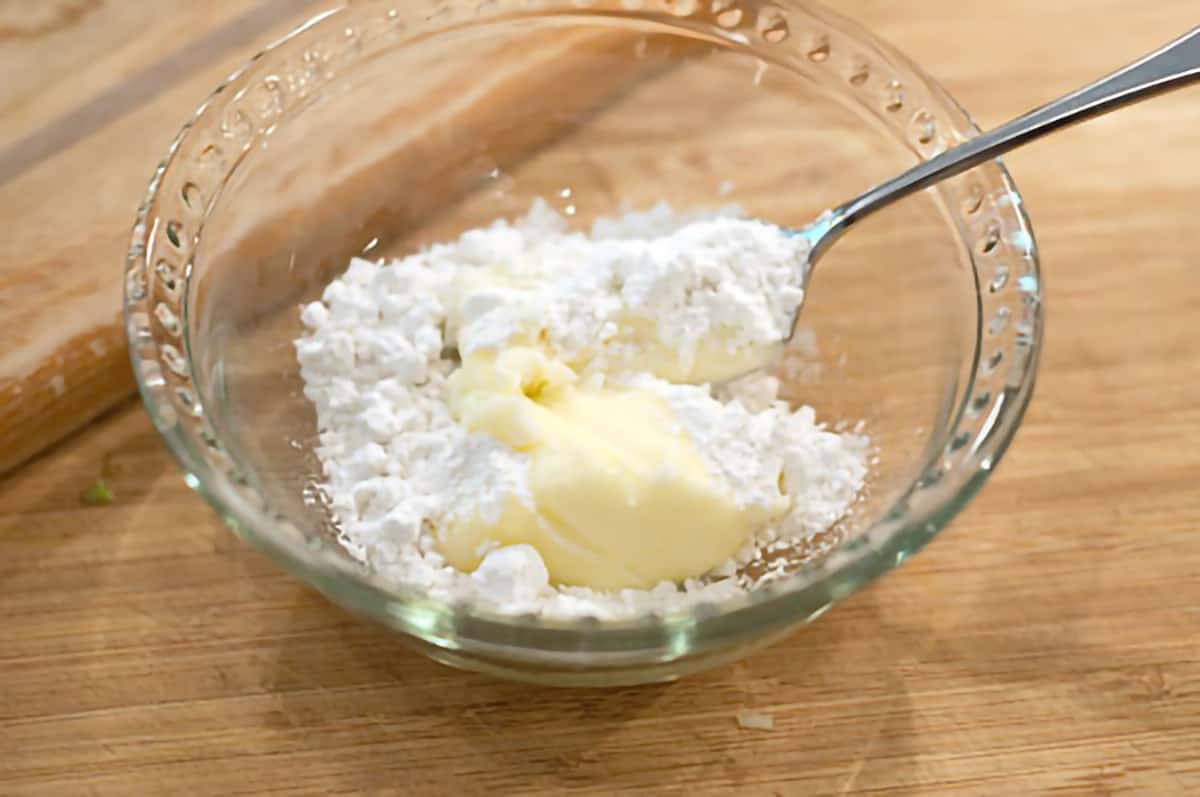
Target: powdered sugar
[
  {"x": 717, "y": 280},
  {"x": 397, "y": 465},
  {"x": 751, "y": 439}
]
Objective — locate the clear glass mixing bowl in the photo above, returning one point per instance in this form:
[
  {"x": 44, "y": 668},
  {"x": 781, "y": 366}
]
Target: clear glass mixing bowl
[{"x": 384, "y": 126}]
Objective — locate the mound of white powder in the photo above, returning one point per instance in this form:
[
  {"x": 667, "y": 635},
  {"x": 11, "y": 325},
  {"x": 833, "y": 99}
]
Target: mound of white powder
[{"x": 397, "y": 465}]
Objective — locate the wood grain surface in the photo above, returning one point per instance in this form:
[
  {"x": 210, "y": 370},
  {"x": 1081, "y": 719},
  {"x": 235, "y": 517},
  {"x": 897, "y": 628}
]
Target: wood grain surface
[
  {"x": 1048, "y": 643},
  {"x": 91, "y": 92}
]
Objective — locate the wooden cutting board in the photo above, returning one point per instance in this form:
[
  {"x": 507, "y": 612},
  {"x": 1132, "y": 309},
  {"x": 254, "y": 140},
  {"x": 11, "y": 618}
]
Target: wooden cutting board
[
  {"x": 94, "y": 93},
  {"x": 1046, "y": 644},
  {"x": 91, "y": 93}
]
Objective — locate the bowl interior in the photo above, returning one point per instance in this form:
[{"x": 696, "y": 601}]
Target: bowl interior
[{"x": 377, "y": 134}]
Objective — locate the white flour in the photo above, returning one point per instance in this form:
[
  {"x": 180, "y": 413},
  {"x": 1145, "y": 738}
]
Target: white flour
[
  {"x": 397, "y": 465},
  {"x": 726, "y": 279}
]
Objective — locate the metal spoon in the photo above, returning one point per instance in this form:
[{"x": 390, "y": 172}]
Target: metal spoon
[{"x": 1174, "y": 66}]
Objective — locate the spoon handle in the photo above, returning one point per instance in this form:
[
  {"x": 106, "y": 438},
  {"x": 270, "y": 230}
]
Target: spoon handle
[{"x": 1175, "y": 65}]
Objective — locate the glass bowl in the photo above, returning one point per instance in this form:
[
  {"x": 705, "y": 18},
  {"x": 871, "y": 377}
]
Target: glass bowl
[{"x": 381, "y": 127}]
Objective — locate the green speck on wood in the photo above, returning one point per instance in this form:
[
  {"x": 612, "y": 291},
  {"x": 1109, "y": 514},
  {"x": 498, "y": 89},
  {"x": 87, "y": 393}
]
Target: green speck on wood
[{"x": 99, "y": 494}]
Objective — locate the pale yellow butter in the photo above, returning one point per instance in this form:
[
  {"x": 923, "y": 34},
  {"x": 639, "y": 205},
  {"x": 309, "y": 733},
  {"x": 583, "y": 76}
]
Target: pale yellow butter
[{"x": 621, "y": 497}]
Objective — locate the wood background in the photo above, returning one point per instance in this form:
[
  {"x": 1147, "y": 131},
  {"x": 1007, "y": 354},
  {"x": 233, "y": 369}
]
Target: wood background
[{"x": 1049, "y": 643}]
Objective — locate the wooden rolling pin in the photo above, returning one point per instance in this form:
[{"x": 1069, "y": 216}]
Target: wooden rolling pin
[{"x": 69, "y": 191}]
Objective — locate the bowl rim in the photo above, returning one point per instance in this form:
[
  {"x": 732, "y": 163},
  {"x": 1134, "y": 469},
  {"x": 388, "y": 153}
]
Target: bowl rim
[{"x": 902, "y": 531}]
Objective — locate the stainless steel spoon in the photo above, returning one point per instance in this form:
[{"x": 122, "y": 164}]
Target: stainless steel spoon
[{"x": 1174, "y": 66}]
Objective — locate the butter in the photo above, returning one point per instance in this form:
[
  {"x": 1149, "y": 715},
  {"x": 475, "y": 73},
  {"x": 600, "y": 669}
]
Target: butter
[{"x": 621, "y": 497}]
